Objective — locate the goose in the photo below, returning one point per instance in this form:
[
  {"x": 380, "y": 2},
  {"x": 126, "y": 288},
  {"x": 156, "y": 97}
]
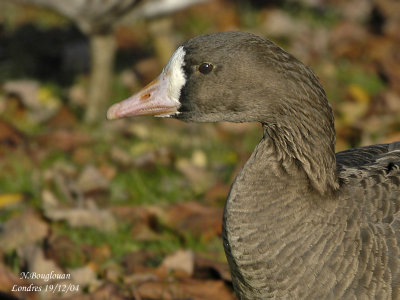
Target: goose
[{"x": 300, "y": 222}]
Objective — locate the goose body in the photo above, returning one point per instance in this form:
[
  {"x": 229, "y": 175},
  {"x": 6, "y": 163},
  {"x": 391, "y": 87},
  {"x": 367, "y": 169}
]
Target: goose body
[{"x": 300, "y": 221}]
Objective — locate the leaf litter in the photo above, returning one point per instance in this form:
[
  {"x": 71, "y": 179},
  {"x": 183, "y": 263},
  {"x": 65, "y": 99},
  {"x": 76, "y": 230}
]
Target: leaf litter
[{"x": 133, "y": 209}]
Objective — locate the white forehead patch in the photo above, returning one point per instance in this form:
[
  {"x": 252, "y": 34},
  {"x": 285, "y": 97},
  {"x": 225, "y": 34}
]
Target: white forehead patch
[{"x": 173, "y": 71}]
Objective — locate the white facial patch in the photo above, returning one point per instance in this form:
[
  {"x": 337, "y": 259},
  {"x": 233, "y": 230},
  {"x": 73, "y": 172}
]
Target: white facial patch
[{"x": 174, "y": 73}]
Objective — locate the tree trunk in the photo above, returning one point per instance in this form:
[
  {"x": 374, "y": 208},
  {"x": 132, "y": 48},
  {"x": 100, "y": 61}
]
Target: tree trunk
[{"x": 102, "y": 50}]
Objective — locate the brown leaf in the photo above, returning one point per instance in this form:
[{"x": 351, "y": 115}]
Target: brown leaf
[
  {"x": 217, "y": 193},
  {"x": 90, "y": 216},
  {"x": 200, "y": 179},
  {"x": 182, "y": 260},
  {"x": 78, "y": 95},
  {"x": 40, "y": 101},
  {"x": 385, "y": 52},
  {"x": 143, "y": 232},
  {"x": 87, "y": 216},
  {"x": 63, "y": 139},
  {"x": 92, "y": 180},
  {"x": 25, "y": 89},
  {"x": 22, "y": 230},
  {"x": 85, "y": 276},
  {"x": 278, "y": 23},
  {"x": 64, "y": 118},
  {"x": 348, "y": 39},
  {"x": 120, "y": 156},
  {"x": 389, "y": 8},
  {"x": 208, "y": 289},
  {"x": 82, "y": 154},
  {"x": 64, "y": 251},
  {"x": 145, "y": 156},
  {"x": 8, "y": 280},
  {"x": 187, "y": 288},
  {"x": 138, "y": 261},
  {"x": 10, "y": 138},
  {"x": 99, "y": 254},
  {"x": 37, "y": 263},
  {"x": 196, "y": 218},
  {"x": 145, "y": 220},
  {"x": 108, "y": 291},
  {"x": 147, "y": 214},
  {"x": 113, "y": 272},
  {"x": 356, "y": 10}
]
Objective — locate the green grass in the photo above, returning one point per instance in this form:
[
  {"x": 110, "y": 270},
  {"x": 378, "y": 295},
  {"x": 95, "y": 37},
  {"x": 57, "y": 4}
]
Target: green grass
[
  {"x": 120, "y": 240},
  {"x": 153, "y": 186},
  {"x": 18, "y": 175}
]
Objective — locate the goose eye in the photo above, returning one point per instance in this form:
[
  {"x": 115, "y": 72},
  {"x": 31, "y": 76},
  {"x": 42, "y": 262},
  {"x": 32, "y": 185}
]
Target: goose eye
[{"x": 205, "y": 68}]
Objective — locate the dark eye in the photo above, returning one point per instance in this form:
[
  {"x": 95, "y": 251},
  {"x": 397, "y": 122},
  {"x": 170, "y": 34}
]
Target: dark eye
[{"x": 205, "y": 68}]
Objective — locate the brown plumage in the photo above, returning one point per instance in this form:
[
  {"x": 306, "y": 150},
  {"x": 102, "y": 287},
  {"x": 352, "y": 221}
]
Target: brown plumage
[{"x": 300, "y": 222}]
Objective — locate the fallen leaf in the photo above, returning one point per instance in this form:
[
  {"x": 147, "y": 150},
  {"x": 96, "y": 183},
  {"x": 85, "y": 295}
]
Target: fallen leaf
[
  {"x": 352, "y": 111},
  {"x": 143, "y": 232},
  {"x": 147, "y": 214},
  {"x": 77, "y": 95},
  {"x": 92, "y": 180},
  {"x": 40, "y": 100},
  {"x": 113, "y": 272},
  {"x": 120, "y": 156},
  {"x": 86, "y": 277},
  {"x": 195, "y": 218},
  {"x": 98, "y": 254},
  {"x": 10, "y": 199},
  {"x": 139, "y": 261},
  {"x": 10, "y": 138},
  {"x": 348, "y": 39},
  {"x": 185, "y": 289},
  {"x": 82, "y": 154},
  {"x": 217, "y": 193},
  {"x": 64, "y": 118},
  {"x": 200, "y": 179},
  {"x": 199, "y": 159},
  {"x": 63, "y": 139},
  {"x": 107, "y": 291},
  {"x": 389, "y": 8},
  {"x": 26, "y": 89},
  {"x": 358, "y": 94},
  {"x": 38, "y": 264},
  {"x": 8, "y": 280},
  {"x": 145, "y": 220},
  {"x": 64, "y": 251},
  {"x": 88, "y": 216},
  {"x": 22, "y": 230},
  {"x": 278, "y": 23},
  {"x": 108, "y": 171},
  {"x": 357, "y": 10},
  {"x": 180, "y": 260},
  {"x": 207, "y": 289},
  {"x": 387, "y": 102}
]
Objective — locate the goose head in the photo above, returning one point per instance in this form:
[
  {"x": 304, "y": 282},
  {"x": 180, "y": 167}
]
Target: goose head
[{"x": 241, "y": 77}]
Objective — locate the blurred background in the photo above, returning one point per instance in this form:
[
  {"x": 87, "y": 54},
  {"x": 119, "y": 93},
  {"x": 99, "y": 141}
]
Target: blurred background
[{"x": 132, "y": 209}]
